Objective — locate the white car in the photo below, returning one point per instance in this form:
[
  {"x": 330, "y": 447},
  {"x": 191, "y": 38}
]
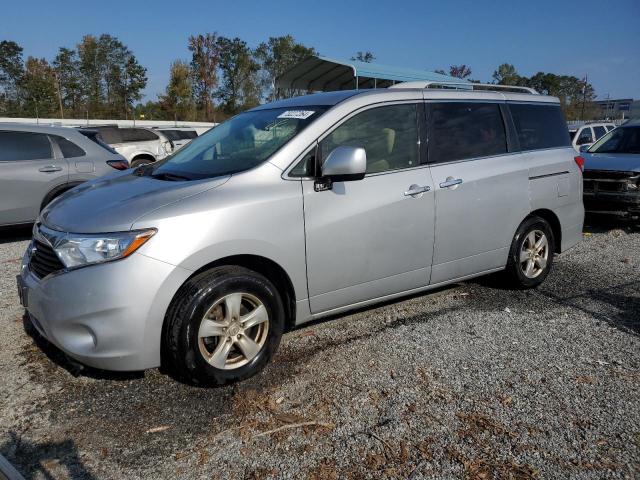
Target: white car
[
  {"x": 586, "y": 135},
  {"x": 136, "y": 144},
  {"x": 179, "y": 136}
]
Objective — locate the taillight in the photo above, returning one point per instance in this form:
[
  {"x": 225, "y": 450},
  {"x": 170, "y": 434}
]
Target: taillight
[
  {"x": 580, "y": 162},
  {"x": 118, "y": 164}
]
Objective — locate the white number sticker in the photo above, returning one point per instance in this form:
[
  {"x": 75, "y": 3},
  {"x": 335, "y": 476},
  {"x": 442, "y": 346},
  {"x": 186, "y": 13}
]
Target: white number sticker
[{"x": 299, "y": 114}]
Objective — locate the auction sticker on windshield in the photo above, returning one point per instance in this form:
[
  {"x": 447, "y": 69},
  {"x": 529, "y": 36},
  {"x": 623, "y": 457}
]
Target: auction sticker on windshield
[{"x": 300, "y": 114}]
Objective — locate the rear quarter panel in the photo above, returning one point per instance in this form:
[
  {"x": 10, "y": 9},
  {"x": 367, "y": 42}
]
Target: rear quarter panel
[{"x": 555, "y": 183}]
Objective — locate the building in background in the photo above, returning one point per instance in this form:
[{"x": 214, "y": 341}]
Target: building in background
[{"x": 618, "y": 109}]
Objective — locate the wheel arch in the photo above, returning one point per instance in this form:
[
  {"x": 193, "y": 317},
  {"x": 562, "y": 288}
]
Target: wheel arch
[
  {"x": 554, "y": 222},
  {"x": 59, "y": 190},
  {"x": 269, "y": 269},
  {"x": 143, "y": 155}
]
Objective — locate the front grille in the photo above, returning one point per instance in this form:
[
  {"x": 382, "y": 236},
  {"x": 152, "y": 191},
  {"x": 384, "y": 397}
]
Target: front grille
[
  {"x": 44, "y": 260},
  {"x": 608, "y": 181}
]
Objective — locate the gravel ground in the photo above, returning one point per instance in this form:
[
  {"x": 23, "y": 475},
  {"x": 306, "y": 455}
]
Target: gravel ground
[{"x": 473, "y": 381}]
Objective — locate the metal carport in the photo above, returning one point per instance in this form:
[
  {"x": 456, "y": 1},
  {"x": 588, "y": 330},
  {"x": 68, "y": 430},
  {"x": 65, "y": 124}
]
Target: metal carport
[{"x": 328, "y": 74}]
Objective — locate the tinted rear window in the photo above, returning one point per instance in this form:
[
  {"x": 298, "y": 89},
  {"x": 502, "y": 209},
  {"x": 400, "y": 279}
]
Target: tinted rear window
[
  {"x": 24, "y": 146},
  {"x": 461, "y": 130},
  {"x": 539, "y": 126},
  {"x": 68, "y": 148},
  {"x": 94, "y": 136},
  {"x": 110, "y": 135},
  {"x": 179, "y": 134}
]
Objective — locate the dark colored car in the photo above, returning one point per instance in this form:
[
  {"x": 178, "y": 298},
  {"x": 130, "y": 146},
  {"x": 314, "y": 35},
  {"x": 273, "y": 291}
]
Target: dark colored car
[{"x": 612, "y": 173}]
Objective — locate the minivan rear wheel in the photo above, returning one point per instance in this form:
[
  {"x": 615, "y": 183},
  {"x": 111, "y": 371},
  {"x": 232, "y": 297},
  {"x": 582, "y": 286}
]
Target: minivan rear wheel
[
  {"x": 531, "y": 253},
  {"x": 223, "y": 326}
]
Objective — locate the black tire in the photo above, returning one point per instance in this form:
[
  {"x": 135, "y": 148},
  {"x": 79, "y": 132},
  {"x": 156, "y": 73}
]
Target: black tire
[
  {"x": 182, "y": 352},
  {"x": 515, "y": 270}
]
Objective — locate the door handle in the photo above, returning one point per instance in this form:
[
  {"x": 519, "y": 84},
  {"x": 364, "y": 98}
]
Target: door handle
[
  {"x": 416, "y": 190},
  {"x": 50, "y": 169},
  {"x": 451, "y": 182}
]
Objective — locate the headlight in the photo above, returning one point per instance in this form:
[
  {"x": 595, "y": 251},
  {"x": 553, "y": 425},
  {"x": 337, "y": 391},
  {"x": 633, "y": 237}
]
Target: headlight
[{"x": 78, "y": 250}]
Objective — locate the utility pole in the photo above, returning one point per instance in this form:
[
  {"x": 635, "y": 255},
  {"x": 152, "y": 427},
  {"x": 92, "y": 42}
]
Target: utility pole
[
  {"x": 59, "y": 94},
  {"x": 584, "y": 96}
]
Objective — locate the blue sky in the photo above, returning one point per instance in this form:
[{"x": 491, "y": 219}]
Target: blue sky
[{"x": 599, "y": 38}]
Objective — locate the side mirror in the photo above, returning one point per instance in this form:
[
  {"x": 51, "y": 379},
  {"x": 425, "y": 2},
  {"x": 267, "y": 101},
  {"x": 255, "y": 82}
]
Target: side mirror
[
  {"x": 584, "y": 148},
  {"x": 345, "y": 163}
]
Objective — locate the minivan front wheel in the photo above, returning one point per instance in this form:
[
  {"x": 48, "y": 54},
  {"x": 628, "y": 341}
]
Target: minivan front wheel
[
  {"x": 223, "y": 326},
  {"x": 531, "y": 253}
]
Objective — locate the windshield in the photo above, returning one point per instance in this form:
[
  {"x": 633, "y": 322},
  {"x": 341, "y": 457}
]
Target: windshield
[
  {"x": 238, "y": 144},
  {"x": 619, "y": 140}
]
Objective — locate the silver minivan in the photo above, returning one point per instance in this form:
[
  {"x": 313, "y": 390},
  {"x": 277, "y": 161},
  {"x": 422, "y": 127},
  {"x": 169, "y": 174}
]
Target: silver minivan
[{"x": 296, "y": 210}]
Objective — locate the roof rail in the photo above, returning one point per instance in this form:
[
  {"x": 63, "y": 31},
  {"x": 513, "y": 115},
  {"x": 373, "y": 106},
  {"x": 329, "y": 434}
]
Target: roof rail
[{"x": 465, "y": 86}]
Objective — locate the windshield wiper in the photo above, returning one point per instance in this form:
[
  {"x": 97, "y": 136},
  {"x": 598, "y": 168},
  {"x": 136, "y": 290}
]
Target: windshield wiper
[{"x": 172, "y": 177}]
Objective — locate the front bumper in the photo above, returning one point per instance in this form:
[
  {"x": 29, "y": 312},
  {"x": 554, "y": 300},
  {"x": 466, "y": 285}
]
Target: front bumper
[
  {"x": 107, "y": 316},
  {"x": 621, "y": 204}
]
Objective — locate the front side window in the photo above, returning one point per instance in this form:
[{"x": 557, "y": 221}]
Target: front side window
[
  {"x": 463, "y": 130},
  {"x": 24, "y": 146},
  {"x": 619, "y": 140},
  {"x": 539, "y": 126},
  {"x": 388, "y": 134},
  {"x": 241, "y": 143}
]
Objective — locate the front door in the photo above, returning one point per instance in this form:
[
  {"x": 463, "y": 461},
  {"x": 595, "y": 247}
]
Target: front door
[
  {"x": 28, "y": 172},
  {"x": 481, "y": 190},
  {"x": 373, "y": 237}
]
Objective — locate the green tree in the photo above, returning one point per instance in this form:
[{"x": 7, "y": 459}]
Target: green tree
[
  {"x": 66, "y": 66},
  {"x": 276, "y": 56},
  {"x": 11, "y": 71},
  {"x": 178, "y": 98},
  {"x": 38, "y": 88},
  {"x": 366, "y": 57},
  {"x": 150, "y": 111},
  {"x": 240, "y": 87},
  {"x": 205, "y": 57},
  {"x": 90, "y": 75},
  {"x": 506, "y": 74}
]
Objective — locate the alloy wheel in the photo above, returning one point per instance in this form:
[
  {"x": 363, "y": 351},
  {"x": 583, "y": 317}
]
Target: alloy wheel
[
  {"x": 233, "y": 331},
  {"x": 534, "y": 254}
]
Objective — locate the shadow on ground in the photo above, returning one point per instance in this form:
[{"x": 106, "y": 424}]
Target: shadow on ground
[{"x": 40, "y": 459}]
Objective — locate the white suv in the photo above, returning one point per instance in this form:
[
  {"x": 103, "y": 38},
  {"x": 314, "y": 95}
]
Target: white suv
[
  {"x": 138, "y": 145},
  {"x": 586, "y": 135}
]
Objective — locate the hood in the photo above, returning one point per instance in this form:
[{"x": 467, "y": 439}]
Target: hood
[
  {"x": 113, "y": 203},
  {"x": 623, "y": 162}
]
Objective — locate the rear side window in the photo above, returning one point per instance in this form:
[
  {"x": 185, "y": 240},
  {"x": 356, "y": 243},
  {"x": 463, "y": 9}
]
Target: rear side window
[
  {"x": 191, "y": 134},
  {"x": 137, "y": 135},
  {"x": 461, "y": 130},
  {"x": 599, "y": 131},
  {"x": 24, "y": 146},
  {"x": 171, "y": 134},
  {"x": 585, "y": 136},
  {"x": 539, "y": 126},
  {"x": 68, "y": 148},
  {"x": 388, "y": 134}
]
